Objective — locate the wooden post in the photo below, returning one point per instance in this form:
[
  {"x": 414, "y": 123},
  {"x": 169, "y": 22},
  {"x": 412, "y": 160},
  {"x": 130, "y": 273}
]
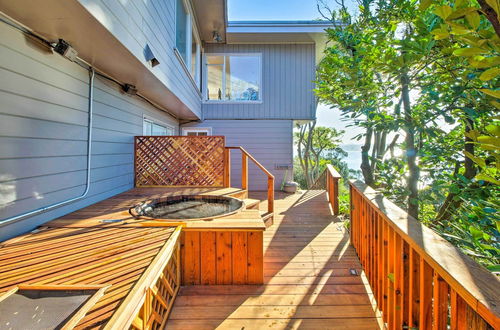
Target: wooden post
[
  {"x": 335, "y": 188},
  {"x": 270, "y": 194},
  {"x": 244, "y": 171},
  {"x": 227, "y": 167}
]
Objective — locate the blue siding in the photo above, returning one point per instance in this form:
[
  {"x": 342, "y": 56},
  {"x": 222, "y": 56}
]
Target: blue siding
[
  {"x": 269, "y": 141},
  {"x": 137, "y": 23},
  {"x": 43, "y": 134},
  {"x": 288, "y": 73}
]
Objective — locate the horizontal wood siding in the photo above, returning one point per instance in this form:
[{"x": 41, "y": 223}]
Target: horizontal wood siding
[
  {"x": 269, "y": 141},
  {"x": 288, "y": 72},
  {"x": 137, "y": 23},
  {"x": 43, "y": 134}
]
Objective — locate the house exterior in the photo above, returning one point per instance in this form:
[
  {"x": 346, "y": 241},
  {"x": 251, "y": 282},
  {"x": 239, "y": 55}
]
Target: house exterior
[{"x": 186, "y": 69}]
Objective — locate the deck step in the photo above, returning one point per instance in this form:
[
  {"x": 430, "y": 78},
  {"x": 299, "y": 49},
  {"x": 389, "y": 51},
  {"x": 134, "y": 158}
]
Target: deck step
[
  {"x": 239, "y": 193},
  {"x": 267, "y": 217},
  {"x": 251, "y": 204}
]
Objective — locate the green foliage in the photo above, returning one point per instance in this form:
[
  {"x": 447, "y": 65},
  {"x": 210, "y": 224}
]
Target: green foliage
[
  {"x": 312, "y": 144},
  {"x": 443, "y": 56}
]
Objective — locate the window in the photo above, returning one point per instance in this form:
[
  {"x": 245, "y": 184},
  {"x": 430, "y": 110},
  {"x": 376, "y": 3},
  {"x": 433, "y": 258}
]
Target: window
[
  {"x": 181, "y": 29},
  {"x": 197, "y": 131},
  {"x": 195, "y": 59},
  {"x": 187, "y": 42},
  {"x": 233, "y": 77},
  {"x": 155, "y": 127}
]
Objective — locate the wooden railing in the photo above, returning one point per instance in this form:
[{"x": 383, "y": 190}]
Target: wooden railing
[
  {"x": 329, "y": 181},
  {"x": 245, "y": 156},
  {"x": 419, "y": 280},
  {"x": 332, "y": 188}
]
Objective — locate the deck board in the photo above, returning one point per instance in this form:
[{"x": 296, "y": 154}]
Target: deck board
[{"x": 308, "y": 285}]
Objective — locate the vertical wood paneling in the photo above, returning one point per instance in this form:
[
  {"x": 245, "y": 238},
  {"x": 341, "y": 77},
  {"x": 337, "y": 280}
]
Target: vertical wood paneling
[
  {"x": 239, "y": 255},
  {"x": 224, "y": 258},
  {"x": 414, "y": 289},
  {"x": 440, "y": 303},
  {"x": 405, "y": 280},
  {"x": 191, "y": 258},
  {"x": 208, "y": 258},
  {"x": 255, "y": 257},
  {"x": 426, "y": 277},
  {"x": 288, "y": 72}
]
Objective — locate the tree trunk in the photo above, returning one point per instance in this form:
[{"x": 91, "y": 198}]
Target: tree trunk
[
  {"x": 491, "y": 15},
  {"x": 366, "y": 168},
  {"x": 451, "y": 203},
  {"x": 411, "y": 149}
]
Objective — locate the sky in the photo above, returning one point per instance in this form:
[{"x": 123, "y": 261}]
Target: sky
[{"x": 276, "y": 10}]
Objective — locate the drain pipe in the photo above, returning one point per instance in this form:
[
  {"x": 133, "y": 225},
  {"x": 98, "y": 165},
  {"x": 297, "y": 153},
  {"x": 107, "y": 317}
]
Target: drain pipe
[{"x": 89, "y": 157}]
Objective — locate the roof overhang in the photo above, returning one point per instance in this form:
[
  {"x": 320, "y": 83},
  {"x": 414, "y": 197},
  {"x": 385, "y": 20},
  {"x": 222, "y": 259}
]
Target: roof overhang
[
  {"x": 211, "y": 16},
  {"x": 96, "y": 45},
  {"x": 279, "y": 32}
]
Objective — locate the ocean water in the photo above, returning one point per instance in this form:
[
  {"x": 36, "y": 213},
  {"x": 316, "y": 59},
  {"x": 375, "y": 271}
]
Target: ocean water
[{"x": 353, "y": 158}]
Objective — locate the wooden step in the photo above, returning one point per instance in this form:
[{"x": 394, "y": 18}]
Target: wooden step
[
  {"x": 239, "y": 193},
  {"x": 268, "y": 218},
  {"x": 251, "y": 204}
]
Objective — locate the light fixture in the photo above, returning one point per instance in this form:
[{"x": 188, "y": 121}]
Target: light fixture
[
  {"x": 216, "y": 36},
  {"x": 64, "y": 48}
]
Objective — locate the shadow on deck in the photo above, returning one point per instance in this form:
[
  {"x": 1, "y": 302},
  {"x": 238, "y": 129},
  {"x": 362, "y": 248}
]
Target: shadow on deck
[{"x": 308, "y": 284}]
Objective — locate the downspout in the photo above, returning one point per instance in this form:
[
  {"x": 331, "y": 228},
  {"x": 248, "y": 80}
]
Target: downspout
[{"x": 89, "y": 157}]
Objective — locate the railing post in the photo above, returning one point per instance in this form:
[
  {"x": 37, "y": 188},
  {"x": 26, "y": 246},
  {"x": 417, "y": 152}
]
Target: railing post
[
  {"x": 244, "y": 171},
  {"x": 227, "y": 167},
  {"x": 270, "y": 194},
  {"x": 335, "y": 188}
]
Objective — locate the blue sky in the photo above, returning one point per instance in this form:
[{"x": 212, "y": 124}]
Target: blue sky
[{"x": 254, "y": 10}]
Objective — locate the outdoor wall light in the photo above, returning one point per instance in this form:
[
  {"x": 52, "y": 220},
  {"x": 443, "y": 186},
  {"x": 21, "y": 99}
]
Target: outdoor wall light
[
  {"x": 216, "y": 36},
  {"x": 150, "y": 57}
]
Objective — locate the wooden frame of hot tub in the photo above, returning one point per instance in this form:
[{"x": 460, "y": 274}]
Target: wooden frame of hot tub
[
  {"x": 225, "y": 250},
  {"x": 222, "y": 256}
]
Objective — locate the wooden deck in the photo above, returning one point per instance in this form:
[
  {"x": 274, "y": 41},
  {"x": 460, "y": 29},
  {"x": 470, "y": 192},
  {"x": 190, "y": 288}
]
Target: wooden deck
[{"x": 307, "y": 264}]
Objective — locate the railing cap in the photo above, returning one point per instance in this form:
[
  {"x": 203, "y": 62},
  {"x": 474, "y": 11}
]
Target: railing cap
[{"x": 333, "y": 171}]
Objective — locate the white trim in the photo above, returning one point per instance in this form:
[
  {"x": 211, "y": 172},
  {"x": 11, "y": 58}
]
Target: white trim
[
  {"x": 205, "y": 79},
  {"x": 187, "y": 71},
  {"x": 191, "y": 29},
  {"x": 186, "y": 130},
  {"x": 157, "y": 122}
]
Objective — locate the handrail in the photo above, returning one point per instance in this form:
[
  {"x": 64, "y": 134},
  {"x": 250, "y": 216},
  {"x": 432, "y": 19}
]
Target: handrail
[
  {"x": 332, "y": 187},
  {"x": 329, "y": 180},
  {"x": 244, "y": 174},
  {"x": 412, "y": 270}
]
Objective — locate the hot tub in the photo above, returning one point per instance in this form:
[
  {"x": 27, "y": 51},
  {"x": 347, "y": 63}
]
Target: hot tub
[{"x": 187, "y": 207}]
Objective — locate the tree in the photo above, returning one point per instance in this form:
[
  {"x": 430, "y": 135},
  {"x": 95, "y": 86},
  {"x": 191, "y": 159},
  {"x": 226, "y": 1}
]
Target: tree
[
  {"x": 428, "y": 73},
  {"x": 312, "y": 143}
]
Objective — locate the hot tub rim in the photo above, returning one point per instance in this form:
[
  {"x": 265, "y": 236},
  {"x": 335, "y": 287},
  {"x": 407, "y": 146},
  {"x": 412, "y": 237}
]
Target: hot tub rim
[{"x": 142, "y": 217}]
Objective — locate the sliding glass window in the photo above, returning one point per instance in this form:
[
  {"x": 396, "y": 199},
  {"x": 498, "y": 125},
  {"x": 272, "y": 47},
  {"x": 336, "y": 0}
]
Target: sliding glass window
[{"x": 233, "y": 77}]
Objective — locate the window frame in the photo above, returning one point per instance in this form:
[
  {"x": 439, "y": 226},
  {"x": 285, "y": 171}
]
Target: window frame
[
  {"x": 146, "y": 118},
  {"x": 191, "y": 29},
  {"x": 186, "y": 130},
  {"x": 205, "y": 79}
]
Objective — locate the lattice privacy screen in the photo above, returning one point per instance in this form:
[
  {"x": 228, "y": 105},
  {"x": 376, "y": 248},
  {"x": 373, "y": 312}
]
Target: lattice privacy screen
[{"x": 179, "y": 161}]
